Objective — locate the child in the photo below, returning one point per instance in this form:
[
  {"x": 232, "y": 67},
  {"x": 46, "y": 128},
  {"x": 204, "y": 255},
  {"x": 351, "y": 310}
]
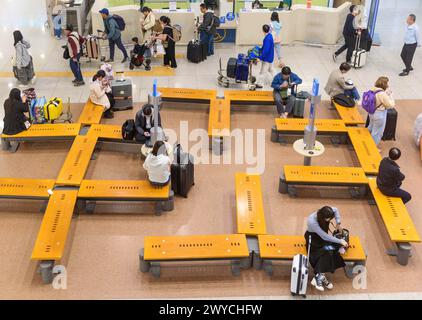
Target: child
[
  {"x": 138, "y": 56},
  {"x": 352, "y": 93}
]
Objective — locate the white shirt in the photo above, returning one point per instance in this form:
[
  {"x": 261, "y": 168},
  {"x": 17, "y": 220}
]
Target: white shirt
[
  {"x": 412, "y": 35},
  {"x": 158, "y": 168}
]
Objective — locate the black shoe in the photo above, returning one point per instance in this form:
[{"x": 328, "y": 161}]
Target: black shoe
[
  {"x": 78, "y": 83},
  {"x": 125, "y": 59},
  {"x": 74, "y": 80},
  {"x": 108, "y": 114},
  {"x": 404, "y": 73},
  {"x": 258, "y": 86},
  {"x": 109, "y": 60},
  {"x": 405, "y": 70}
]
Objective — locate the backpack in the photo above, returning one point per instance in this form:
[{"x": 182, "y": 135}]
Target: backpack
[
  {"x": 121, "y": 24},
  {"x": 369, "y": 101},
  {"x": 344, "y": 101},
  {"x": 128, "y": 130},
  {"x": 177, "y": 32},
  {"x": 157, "y": 26}
]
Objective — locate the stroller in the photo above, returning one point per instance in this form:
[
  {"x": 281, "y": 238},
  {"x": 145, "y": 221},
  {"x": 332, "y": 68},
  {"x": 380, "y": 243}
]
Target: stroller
[{"x": 142, "y": 57}]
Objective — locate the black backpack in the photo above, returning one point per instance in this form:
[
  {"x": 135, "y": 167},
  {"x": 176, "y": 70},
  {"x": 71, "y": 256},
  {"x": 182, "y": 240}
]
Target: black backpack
[
  {"x": 120, "y": 22},
  {"x": 128, "y": 130},
  {"x": 344, "y": 101}
]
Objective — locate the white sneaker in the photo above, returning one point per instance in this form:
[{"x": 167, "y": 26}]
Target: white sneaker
[
  {"x": 327, "y": 283},
  {"x": 317, "y": 284}
]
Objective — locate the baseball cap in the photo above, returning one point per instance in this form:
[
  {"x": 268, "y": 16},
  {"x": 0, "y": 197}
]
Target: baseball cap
[{"x": 104, "y": 11}]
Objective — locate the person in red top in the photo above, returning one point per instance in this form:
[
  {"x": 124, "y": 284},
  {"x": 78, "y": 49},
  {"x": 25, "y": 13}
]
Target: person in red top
[{"x": 74, "y": 42}]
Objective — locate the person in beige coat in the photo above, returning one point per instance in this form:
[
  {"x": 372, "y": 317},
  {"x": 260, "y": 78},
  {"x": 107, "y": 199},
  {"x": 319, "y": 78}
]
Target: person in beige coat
[
  {"x": 147, "y": 24},
  {"x": 336, "y": 83},
  {"x": 98, "y": 93}
]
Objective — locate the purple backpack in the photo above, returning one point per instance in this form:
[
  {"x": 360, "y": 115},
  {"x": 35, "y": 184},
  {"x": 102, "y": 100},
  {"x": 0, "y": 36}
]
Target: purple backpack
[{"x": 369, "y": 101}]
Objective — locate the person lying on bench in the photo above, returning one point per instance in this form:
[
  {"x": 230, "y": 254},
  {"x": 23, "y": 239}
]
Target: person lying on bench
[
  {"x": 390, "y": 178},
  {"x": 325, "y": 255},
  {"x": 15, "y": 107},
  {"x": 281, "y": 84},
  {"x": 157, "y": 164},
  {"x": 98, "y": 93},
  {"x": 144, "y": 121}
]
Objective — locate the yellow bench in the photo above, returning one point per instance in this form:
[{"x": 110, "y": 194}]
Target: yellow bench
[
  {"x": 249, "y": 205},
  {"x": 51, "y": 239},
  {"x": 323, "y": 176},
  {"x": 280, "y": 247},
  {"x": 124, "y": 190},
  {"x": 219, "y": 119},
  {"x": 350, "y": 116},
  {"x": 77, "y": 161},
  {"x": 366, "y": 149},
  {"x": 25, "y": 188},
  {"x": 42, "y": 132},
  {"x": 106, "y": 131},
  {"x": 91, "y": 113},
  {"x": 397, "y": 221},
  {"x": 184, "y": 94},
  {"x": 297, "y": 126},
  {"x": 159, "y": 249},
  {"x": 249, "y": 97}
]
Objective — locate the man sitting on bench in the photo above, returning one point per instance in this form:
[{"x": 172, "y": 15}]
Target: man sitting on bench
[
  {"x": 390, "y": 178},
  {"x": 144, "y": 121},
  {"x": 281, "y": 84}
]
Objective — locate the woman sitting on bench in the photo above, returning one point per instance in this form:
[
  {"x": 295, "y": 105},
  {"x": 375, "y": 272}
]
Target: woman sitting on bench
[
  {"x": 157, "y": 164},
  {"x": 15, "y": 120},
  {"x": 325, "y": 255},
  {"x": 99, "y": 93}
]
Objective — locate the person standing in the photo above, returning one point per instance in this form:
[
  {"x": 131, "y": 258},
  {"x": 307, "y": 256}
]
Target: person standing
[
  {"x": 276, "y": 31},
  {"x": 207, "y": 28},
  {"x": 74, "y": 42},
  {"x": 113, "y": 34},
  {"x": 22, "y": 61},
  {"x": 147, "y": 24},
  {"x": 168, "y": 42},
  {"x": 412, "y": 40},
  {"x": 349, "y": 34},
  {"x": 267, "y": 56},
  {"x": 384, "y": 100},
  {"x": 57, "y": 24},
  {"x": 389, "y": 179}
]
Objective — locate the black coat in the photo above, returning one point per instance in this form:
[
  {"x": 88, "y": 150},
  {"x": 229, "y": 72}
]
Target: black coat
[
  {"x": 141, "y": 121},
  {"x": 348, "y": 29},
  {"x": 389, "y": 175},
  {"x": 14, "y": 118},
  {"x": 208, "y": 21}
]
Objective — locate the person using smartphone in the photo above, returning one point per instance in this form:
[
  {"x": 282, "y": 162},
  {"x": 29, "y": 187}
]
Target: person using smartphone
[
  {"x": 15, "y": 108},
  {"x": 144, "y": 121}
]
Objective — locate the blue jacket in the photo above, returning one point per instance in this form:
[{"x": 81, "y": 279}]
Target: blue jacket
[
  {"x": 267, "y": 50},
  {"x": 111, "y": 28},
  {"x": 278, "y": 80}
]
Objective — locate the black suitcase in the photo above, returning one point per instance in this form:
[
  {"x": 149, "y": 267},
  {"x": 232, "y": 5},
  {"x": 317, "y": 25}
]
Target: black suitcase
[
  {"x": 204, "y": 50},
  {"x": 182, "y": 172},
  {"x": 390, "y": 126},
  {"x": 194, "y": 53},
  {"x": 231, "y": 67}
]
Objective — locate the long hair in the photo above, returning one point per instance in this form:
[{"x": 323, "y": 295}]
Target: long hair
[
  {"x": 15, "y": 95},
  {"x": 158, "y": 148},
  {"x": 165, "y": 20},
  {"x": 323, "y": 214},
  {"x": 99, "y": 74},
  {"x": 17, "y": 36},
  {"x": 274, "y": 16}
]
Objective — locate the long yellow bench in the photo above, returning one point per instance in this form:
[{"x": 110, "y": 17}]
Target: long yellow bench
[
  {"x": 25, "y": 188},
  {"x": 91, "y": 113},
  {"x": 281, "y": 247},
  {"x": 249, "y": 205},
  {"x": 297, "y": 126},
  {"x": 350, "y": 116},
  {"x": 251, "y": 97},
  {"x": 323, "y": 176},
  {"x": 106, "y": 131},
  {"x": 42, "y": 132},
  {"x": 366, "y": 149},
  {"x": 125, "y": 190},
  {"x": 160, "y": 249},
  {"x": 185, "y": 94},
  {"x": 51, "y": 239},
  {"x": 397, "y": 221},
  {"x": 77, "y": 161},
  {"x": 219, "y": 119}
]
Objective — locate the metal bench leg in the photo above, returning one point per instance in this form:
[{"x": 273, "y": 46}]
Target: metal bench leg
[
  {"x": 282, "y": 184},
  {"x": 5, "y": 144},
  {"x": 402, "y": 253},
  {"x": 358, "y": 192},
  {"x": 257, "y": 261},
  {"x": 168, "y": 205},
  {"x": 291, "y": 190},
  {"x": 363, "y": 191},
  {"x": 144, "y": 266},
  {"x": 155, "y": 269},
  {"x": 372, "y": 202},
  {"x": 267, "y": 265},
  {"x": 235, "y": 266},
  {"x": 158, "y": 208},
  {"x": 331, "y": 107},
  {"x": 350, "y": 267},
  {"x": 81, "y": 205},
  {"x": 90, "y": 206},
  {"x": 46, "y": 271},
  {"x": 44, "y": 206},
  {"x": 246, "y": 263},
  {"x": 343, "y": 139},
  {"x": 14, "y": 146},
  {"x": 274, "y": 134},
  {"x": 335, "y": 140}
]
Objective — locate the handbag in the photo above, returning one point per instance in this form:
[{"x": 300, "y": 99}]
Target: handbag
[
  {"x": 344, "y": 101},
  {"x": 66, "y": 54}
]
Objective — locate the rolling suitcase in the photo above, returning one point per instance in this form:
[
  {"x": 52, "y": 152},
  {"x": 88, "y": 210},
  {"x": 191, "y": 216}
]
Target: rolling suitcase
[
  {"x": 194, "y": 53},
  {"x": 36, "y": 110},
  {"x": 358, "y": 55},
  {"x": 391, "y": 125},
  {"x": 300, "y": 273},
  {"x": 92, "y": 50},
  {"x": 242, "y": 68},
  {"x": 53, "y": 109},
  {"x": 182, "y": 172},
  {"x": 204, "y": 49},
  {"x": 231, "y": 68},
  {"x": 122, "y": 93},
  {"x": 299, "y": 104}
]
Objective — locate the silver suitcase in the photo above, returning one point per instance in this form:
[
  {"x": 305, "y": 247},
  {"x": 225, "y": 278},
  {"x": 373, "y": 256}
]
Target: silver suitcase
[
  {"x": 359, "y": 55},
  {"x": 300, "y": 273},
  {"x": 122, "y": 93}
]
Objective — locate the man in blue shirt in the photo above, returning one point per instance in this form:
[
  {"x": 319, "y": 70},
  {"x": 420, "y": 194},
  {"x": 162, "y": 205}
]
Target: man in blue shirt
[
  {"x": 281, "y": 84},
  {"x": 412, "y": 40},
  {"x": 113, "y": 34}
]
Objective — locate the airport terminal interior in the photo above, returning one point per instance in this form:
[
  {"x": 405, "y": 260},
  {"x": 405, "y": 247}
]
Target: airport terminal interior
[{"x": 75, "y": 199}]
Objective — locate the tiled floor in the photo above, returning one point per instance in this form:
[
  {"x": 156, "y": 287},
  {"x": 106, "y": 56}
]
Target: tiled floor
[{"x": 102, "y": 250}]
